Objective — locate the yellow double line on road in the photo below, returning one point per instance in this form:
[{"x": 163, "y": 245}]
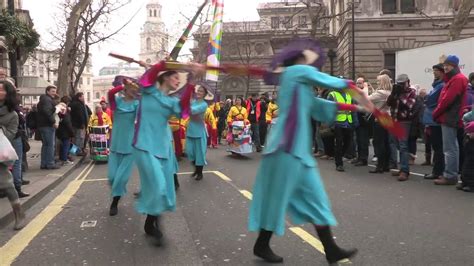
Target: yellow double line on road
[
  {"x": 300, "y": 232},
  {"x": 13, "y": 248}
]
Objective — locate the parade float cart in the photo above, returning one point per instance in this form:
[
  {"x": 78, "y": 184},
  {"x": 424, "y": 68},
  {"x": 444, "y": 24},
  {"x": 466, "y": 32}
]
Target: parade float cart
[
  {"x": 99, "y": 143},
  {"x": 239, "y": 138}
]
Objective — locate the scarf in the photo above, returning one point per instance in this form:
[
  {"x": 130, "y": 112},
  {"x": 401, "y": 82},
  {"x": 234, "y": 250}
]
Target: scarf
[{"x": 100, "y": 120}]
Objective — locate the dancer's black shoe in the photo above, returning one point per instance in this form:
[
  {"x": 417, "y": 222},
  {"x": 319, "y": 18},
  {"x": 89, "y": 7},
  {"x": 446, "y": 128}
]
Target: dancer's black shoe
[
  {"x": 113, "y": 207},
  {"x": 262, "y": 248},
  {"x": 176, "y": 182},
  {"x": 333, "y": 252},
  {"x": 199, "y": 174},
  {"x": 152, "y": 228}
]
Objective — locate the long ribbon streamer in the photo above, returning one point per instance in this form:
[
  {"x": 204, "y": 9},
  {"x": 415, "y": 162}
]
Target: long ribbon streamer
[{"x": 179, "y": 45}]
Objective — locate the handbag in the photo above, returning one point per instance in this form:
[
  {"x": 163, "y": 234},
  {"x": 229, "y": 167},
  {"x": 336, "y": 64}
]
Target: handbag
[
  {"x": 7, "y": 153},
  {"x": 24, "y": 141}
]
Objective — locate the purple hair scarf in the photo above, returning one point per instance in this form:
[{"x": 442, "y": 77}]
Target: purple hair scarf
[{"x": 291, "y": 124}]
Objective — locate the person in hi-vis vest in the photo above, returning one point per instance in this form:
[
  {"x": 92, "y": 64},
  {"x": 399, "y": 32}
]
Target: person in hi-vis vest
[{"x": 343, "y": 128}]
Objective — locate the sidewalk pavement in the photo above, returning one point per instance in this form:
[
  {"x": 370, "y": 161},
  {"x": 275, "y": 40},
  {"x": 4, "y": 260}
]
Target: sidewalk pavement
[{"x": 41, "y": 182}]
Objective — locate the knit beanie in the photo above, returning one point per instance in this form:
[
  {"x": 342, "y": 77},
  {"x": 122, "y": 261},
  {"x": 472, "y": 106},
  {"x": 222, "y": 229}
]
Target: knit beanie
[{"x": 452, "y": 60}]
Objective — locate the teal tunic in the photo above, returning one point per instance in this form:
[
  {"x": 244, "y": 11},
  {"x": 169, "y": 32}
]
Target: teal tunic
[
  {"x": 152, "y": 132},
  {"x": 124, "y": 122},
  {"x": 288, "y": 181},
  {"x": 196, "y": 136},
  {"x": 153, "y": 151},
  {"x": 120, "y": 163}
]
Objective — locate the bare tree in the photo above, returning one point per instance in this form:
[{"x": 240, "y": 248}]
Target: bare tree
[
  {"x": 201, "y": 26},
  {"x": 86, "y": 25},
  {"x": 460, "y": 19}
]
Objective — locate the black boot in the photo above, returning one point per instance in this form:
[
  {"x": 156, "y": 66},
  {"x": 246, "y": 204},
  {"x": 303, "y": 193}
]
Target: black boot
[
  {"x": 113, "y": 207},
  {"x": 176, "y": 182},
  {"x": 199, "y": 175},
  {"x": 333, "y": 252},
  {"x": 262, "y": 248},
  {"x": 195, "y": 170},
  {"x": 152, "y": 228},
  {"x": 21, "y": 194}
]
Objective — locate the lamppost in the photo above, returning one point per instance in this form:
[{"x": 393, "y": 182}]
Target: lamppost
[{"x": 353, "y": 41}]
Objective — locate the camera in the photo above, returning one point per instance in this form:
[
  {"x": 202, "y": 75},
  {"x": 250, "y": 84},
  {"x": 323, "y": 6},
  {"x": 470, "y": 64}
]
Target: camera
[{"x": 398, "y": 88}]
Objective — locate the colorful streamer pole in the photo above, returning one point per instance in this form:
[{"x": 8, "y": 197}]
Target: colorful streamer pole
[
  {"x": 215, "y": 40},
  {"x": 179, "y": 45}
]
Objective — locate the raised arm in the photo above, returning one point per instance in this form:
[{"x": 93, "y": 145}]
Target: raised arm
[
  {"x": 312, "y": 76},
  {"x": 111, "y": 96},
  {"x": 149, "y": 78}
]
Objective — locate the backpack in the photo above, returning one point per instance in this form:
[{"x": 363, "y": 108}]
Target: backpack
[{"x": 31, "y": 120}]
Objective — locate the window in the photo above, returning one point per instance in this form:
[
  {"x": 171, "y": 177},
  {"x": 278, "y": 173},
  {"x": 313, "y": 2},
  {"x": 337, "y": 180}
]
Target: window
[
  {"x": 88, "y": 96},
  {"x": 41, "y": 71},
  {"x": 154, "y": 13},
  {"x": 81, "y": 81},
  {"x": 389, "y": 62},
  {"x": 288, "y": 22},
  {"x": 33, "y": 70},
  {"x": 389, "y": 6},
  {"x": 275, "y": 22},
  {"x": 148, "y": 44},
  {"x": 407, "y": 6},
  {"x": 302, "y": 21},
  {"x": 88, "y": 81},
  {"x": 150, "y": 12},
  {"x": 97, "y": 95}
]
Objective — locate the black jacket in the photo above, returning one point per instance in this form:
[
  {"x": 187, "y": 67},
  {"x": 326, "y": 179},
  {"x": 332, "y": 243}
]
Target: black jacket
[
  {"x": 80, "y": 114},
  {"x": 46, "y": 111},
  {"x": 65, "y": 129}
]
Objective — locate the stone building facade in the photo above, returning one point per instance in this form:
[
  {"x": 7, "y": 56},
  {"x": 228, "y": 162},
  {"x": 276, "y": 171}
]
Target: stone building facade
[
  {"x": 41, "y": 69},
  {"x": 103, "y": 82},
  {"x": 154, "y": 38},
  {"x": 382, "y": 27}
]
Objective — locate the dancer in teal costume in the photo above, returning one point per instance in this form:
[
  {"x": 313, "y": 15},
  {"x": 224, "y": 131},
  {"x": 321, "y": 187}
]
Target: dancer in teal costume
[
  {"x": 196, "y": 135},
  {"x": 288, "y": 180},
  {"x": 152, "y": 146},
  {"x": 121, "y": 151}
]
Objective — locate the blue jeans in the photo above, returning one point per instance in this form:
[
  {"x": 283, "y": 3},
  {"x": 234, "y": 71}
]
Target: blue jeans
[
  {"x": 47, "y": 149},
  {"x": 65, "y": 145},
  {"x": 451, "y": 152},
  {"x": 17, "y": 173},
  {"x": 402, "y": 146}
]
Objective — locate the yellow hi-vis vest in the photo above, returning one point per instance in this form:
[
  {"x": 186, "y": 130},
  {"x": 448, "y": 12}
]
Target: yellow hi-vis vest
[{"x": 342, "y": 115}]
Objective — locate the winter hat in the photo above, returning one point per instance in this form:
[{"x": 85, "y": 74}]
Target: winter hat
[
  {"x": 439, "y": 67},
  {"x": 452, "y": 60}
]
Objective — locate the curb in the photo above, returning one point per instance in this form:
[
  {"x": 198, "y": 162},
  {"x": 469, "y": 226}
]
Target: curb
[{"x": 32, "y": 200}]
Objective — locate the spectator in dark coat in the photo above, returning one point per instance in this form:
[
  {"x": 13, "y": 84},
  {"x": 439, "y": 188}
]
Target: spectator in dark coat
[
  {"x": 80, "y": 114},
  {"x": 46, "y": 126},
  {"x": 65, "y": 131}
]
